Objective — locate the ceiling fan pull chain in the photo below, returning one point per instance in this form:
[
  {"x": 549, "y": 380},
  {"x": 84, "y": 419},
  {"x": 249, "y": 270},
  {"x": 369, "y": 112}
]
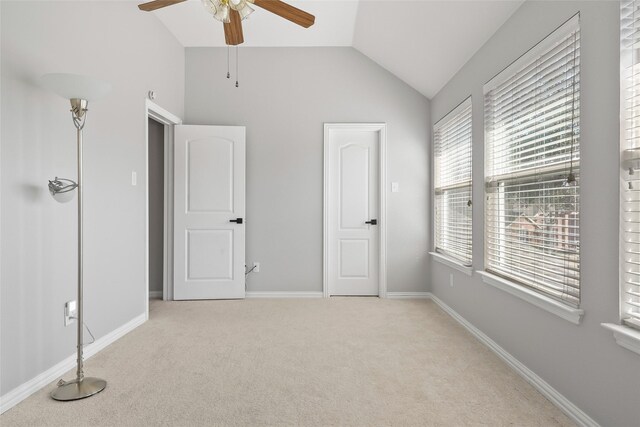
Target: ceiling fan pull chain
[
  {"x": 237, "y": 74},
  {"x": 228, "y": 73}
]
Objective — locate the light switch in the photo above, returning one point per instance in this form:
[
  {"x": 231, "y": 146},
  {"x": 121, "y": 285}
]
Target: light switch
[
  {"x": 395, "y": 187},
  {"x": 134, "y": 178}
]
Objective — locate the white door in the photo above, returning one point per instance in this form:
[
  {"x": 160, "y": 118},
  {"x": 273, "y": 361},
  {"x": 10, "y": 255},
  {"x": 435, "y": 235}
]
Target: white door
[
  {"x": 353, "y": 208},
  {"x": 209, "y": 212}
]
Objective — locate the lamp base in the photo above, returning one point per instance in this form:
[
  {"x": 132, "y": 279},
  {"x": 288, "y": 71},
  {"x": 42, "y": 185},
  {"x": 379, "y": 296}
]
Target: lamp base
[{"x": 74, "y": 390}]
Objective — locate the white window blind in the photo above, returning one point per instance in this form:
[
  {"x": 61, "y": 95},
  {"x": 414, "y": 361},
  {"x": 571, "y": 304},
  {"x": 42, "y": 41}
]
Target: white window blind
[
  {"x": 452, "y": 167},
  {"x": 532, "y": 112},
  {"x": 630, "y": 143}
]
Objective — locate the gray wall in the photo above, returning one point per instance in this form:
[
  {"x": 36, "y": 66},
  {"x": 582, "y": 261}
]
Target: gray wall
[
  {"x": 582, "y": 362},
  {"x": 133, "y": 51},
  {"x": 285, "y": 96},
  {"x": 156, "y": 205}
]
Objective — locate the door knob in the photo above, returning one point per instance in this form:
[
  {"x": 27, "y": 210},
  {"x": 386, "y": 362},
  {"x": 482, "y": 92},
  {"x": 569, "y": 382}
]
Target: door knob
[
  {"x": 237, "y": 220},
  {"x": 372, "y": 222}
]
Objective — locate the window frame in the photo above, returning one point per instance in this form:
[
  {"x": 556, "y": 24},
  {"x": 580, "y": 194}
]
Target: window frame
[
  {"x": 527, "y": 292},
  {"x": 625, "y": 333},
  {"x": 440, "y": 254}
]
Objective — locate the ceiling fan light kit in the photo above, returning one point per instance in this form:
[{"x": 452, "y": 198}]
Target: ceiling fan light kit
[{"x": 221, "y": 9}]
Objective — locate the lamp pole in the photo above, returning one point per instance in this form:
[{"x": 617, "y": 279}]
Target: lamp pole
[
  {"x": 78, "y": 111},
  {"x": 81, "y": 387}
]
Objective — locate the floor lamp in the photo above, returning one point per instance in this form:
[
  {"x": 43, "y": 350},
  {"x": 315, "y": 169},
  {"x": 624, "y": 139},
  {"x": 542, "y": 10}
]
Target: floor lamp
[{"x": 79, "y": 90}]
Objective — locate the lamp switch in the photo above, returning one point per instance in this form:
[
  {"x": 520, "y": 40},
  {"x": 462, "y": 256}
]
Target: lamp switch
[
  {"x": 134, "y": 178},
  {"x": 395, "y": 187},
  {"x": 70, "y": 312},
  {"x": 256, "y": 267}
]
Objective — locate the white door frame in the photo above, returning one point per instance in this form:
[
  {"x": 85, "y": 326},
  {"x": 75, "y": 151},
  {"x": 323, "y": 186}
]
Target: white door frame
[
  {"x": 169, "y": 120},
  {"x": 382, "y": 188}
]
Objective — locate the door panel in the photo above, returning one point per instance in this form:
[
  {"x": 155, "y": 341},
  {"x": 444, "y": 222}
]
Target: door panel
[
  {"x": 210, "y": 254},
  {"x": 354, "y": 181},
  {"x": 210, "y": 175},
  {"x": 209, "y": 192},
  {"x": 354, "y": 258},
  {"x": 353, "y": 255}
]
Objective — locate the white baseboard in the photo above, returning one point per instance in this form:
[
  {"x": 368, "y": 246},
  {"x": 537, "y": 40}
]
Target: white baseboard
[
  {"x": 408, "y": 295},
  {"x": 394, "y": 295},
  {"x": 155, "y": 294},
  {"x": 18, "y": 394},
  {"x": 564, "y": 404},
  {"x": 283, "y": 295}
]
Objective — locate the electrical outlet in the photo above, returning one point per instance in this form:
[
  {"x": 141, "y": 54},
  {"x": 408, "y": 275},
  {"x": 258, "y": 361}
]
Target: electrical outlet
[
  {"x": 451, "y": 279},
  {"x": 256, "y": 266},
  {"x": 70, "y": 312}
]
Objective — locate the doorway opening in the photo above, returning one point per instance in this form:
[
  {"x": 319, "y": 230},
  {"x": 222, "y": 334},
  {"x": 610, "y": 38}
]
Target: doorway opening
[
  {"x": 159, "y": 130},
  {"x": 155, "y": 173}
]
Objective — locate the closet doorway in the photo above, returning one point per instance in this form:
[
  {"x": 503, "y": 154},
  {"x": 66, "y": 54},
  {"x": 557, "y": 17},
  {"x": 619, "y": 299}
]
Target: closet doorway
[
  {"x": 159, "y": 131},
  {"x": 155, "y": 171}
]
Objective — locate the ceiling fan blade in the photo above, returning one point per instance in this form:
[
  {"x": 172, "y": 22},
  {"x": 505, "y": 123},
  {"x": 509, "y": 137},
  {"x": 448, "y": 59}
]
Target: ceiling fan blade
[
  {"x": 287, "y": 11},
  {"x": 233, "y": 30},
  {"x": 157, "y": 4}
]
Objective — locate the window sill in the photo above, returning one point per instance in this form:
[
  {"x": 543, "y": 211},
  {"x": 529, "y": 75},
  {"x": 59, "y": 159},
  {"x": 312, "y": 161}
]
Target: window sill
[
  {"x": 573, "y": 315},
  {"x": 451, "y": 263},
  {"x": 625, "y": 336}
]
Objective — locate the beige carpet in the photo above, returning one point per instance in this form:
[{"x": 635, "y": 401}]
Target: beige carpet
[{"x": 339, "y": 361}]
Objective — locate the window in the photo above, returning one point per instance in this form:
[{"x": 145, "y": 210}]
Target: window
[
  {"x": 452, "y": 166},
  {"x": 630, "y": 146},
  {"x": 532, "y": 208}
]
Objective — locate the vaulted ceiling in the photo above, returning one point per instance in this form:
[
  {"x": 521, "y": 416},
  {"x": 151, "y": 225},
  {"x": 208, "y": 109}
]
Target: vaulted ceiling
[{"x": 422, "y": 42}]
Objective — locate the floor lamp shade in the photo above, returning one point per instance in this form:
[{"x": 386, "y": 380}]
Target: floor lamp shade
[{"x": 75, "y": 86}]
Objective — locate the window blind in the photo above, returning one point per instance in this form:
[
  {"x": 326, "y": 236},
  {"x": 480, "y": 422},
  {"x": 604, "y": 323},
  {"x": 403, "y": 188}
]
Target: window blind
[
  {"x": 452, "y": 182},
  {"x": 532, "y": 112},
  {"x": 630, "y": 194}
]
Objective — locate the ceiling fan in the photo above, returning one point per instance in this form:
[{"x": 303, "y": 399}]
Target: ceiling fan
[{"x": 232, "y": 12}]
